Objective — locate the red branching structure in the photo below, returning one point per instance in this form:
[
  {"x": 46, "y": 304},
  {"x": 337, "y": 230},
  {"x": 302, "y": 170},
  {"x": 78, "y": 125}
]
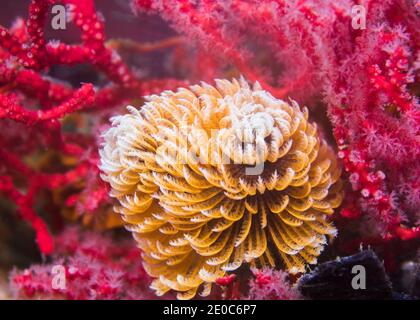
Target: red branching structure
[
  {"x": 25, "y": 202},
  {"x": 25, "y": 58}
]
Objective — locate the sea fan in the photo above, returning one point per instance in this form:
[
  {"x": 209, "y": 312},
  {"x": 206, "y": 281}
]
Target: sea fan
[{"x": 211, "y": 177}]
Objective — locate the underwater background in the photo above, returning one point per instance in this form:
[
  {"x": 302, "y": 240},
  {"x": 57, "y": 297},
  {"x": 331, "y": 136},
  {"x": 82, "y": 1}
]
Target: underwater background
[{"x": 67, "y": 67}]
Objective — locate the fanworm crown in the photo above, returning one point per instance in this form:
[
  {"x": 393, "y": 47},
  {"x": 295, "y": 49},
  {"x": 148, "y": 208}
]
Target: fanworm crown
[{"x": 208, "y": 178}]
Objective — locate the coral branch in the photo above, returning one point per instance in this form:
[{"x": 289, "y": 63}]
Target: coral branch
[
  {"x": 25, "y": 203},
  {"x": 10, "y": 109},
  {"x": 33, "y": 105}
]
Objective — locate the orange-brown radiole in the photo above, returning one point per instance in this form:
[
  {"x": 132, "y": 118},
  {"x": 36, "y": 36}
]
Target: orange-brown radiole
[{"x": 208, "y": 178}]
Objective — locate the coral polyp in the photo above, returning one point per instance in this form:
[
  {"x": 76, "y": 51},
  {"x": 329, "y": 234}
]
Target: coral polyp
[{"x": 211, "y": 177}]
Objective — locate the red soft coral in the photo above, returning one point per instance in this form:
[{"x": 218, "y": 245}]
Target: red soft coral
[
  {"x": 96, "y": 267},
  {"x": 32, "y": 106},
  {"x": 268, "y": 284}
]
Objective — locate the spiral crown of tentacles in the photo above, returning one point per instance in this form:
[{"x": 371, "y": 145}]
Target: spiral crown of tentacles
[{"x": 211, "y": 177}]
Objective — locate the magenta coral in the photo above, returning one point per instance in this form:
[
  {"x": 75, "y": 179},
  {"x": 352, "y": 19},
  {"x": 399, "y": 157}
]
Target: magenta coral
[
  {"x": 96, "y": 267},
  {"x": 268, "y": 284},
  {"x": 25, "y": 58}
]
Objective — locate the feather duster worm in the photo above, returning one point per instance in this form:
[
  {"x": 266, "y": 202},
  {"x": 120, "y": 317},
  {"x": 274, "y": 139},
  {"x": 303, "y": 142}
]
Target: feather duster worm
[{"x": 210, "y": 177}]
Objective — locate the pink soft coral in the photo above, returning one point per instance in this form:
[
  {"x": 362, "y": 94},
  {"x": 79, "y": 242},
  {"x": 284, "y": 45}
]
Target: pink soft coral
[
  {"x": 96, "y": 266},
  {"x": 268, "y": 284}
]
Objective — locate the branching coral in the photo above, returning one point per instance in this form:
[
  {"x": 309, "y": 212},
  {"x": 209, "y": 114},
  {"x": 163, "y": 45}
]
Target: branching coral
[
  {"x": 26, "y": 58},
  {"x": 211, "y": 177}
]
